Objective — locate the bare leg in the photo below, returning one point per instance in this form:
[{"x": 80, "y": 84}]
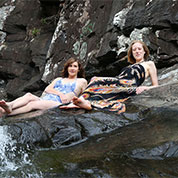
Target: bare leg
[
  {"x": 34, "y": 105},
  {"x": 19, "y": 102}
]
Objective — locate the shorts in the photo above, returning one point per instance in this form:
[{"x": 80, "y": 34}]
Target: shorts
[{"x": 51, "y": 97}]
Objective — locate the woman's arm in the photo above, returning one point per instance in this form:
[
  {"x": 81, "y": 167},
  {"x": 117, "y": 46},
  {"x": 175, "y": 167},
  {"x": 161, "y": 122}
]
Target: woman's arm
[
  {"x": 80, "y": 87},
  {"x": 50, "y": 88},
  {"x": 152, "y": 72},
  {"x": 84, "y": 84}
]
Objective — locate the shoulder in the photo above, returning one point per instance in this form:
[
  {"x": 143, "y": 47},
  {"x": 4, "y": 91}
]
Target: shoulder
[
  {"x": 148, "y": 64},
  {"x": 82, "y": 81},
  {"x": 56, "y": 79}
]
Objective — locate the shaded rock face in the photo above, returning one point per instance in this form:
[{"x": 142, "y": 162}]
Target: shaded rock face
[
  {"x": 23, "y": 53},
  {"x": 34, "y": 47},
  {"x": 36, "y": 41},
  {"x": 57, "y": 128},
  {"x": 38, "y": 36}
]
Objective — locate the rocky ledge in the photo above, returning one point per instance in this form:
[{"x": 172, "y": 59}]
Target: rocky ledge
[{"x": 58, "y": 128}]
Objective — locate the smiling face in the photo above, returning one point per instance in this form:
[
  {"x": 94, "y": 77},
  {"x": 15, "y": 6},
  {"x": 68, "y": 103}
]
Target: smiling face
[
  {"x": 138, "y": 52},
  {"x": 73, "y": 70}
]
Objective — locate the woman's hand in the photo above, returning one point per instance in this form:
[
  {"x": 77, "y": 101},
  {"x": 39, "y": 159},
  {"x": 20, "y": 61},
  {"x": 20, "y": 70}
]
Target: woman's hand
[
  {"x": 64, "y": 98},
  {"x": 140, "y": 89}
]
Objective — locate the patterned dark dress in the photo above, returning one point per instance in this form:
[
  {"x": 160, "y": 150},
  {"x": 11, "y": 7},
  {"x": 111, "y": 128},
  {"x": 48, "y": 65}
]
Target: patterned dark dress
[{"x": 110, "y": 93}]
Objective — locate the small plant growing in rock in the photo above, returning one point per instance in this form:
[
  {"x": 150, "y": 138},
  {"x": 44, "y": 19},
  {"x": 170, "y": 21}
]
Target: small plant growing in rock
[
  {"x": 35, "y": 32},
  {"x": 44, "y": 21}
]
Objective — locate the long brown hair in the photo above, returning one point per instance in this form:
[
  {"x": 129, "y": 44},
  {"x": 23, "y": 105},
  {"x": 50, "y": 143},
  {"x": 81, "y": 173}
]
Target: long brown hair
[
  {"x": 81, "y": 72},
  {"x": 131, "y": 59}
]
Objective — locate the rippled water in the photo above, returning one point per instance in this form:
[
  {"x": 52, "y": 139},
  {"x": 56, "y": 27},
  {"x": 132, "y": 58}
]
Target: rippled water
[
  {"x": 145, "y": 149},
  {"x": 15, "y": 160}
]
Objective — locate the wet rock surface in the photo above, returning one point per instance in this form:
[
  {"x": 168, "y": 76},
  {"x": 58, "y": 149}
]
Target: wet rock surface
[
  {"x": 58, "y": 127},
  {"x": 146, "y": 148},
  {"x": 143, "y": 141}
]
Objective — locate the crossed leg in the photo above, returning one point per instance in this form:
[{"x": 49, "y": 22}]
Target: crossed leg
[
  {"x": 26, "y": 103},
  {"x": 35, "y": 105},
  {"x": 78, "y": 103},
  {"x": 17, "y": 103}
]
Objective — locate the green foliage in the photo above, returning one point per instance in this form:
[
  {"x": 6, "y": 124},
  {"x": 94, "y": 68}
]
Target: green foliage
[
  {"x": 44, "y": 21},
  {"x": 35, "y": 31}
]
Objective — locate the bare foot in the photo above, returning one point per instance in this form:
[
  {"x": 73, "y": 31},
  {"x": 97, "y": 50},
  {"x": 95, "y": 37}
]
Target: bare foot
[
  {"x": 2, "y": 112},
  {"x": 5, "y": 106},
  {"x": 69, "y": 106},
  {"x": 82, "y": 103}
]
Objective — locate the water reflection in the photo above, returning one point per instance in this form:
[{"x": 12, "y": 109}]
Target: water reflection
[{"x": 144, "y": 149}]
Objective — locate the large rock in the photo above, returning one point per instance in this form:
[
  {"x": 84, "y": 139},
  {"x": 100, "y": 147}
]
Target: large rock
[
  {"x": 37, "y": 40},
  {"x": 23, "y": 53},
  {"x": 136, "y": 140},
  {"x": 57, "y": 128}
]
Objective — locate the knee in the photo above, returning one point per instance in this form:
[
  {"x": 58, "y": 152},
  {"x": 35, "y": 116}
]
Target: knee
[
  {"x": 31, "y": 105},
  {"x": 93, "y": 78},
  {"x": 30, "y": 96}
]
